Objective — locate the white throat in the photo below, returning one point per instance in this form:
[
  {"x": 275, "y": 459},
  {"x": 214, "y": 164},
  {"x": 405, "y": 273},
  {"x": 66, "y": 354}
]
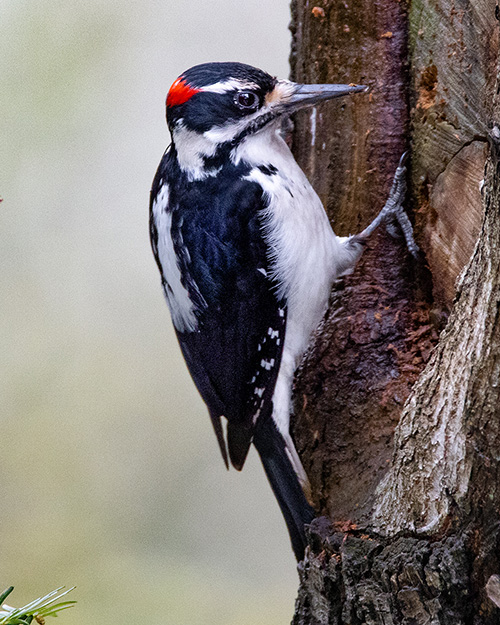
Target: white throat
[
  {"x": 266, "y": 146},
  {"x": 193, "y": 147}
]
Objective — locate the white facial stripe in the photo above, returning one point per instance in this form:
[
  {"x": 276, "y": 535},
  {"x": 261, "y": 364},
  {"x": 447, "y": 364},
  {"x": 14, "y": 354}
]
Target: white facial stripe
[
  {"x": 191, "y": 148},
  {"x": 221, "y": 134},
  {"x": 180, "y": 304},
  {"x": 230, "y": 85}
]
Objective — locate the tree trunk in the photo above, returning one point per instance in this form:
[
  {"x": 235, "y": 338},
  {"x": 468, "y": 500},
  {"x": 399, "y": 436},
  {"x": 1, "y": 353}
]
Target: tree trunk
[{"x": 399, "y": 430}]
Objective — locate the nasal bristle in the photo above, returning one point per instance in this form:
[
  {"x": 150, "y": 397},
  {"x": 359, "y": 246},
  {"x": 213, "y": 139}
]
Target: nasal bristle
[{"x": 180, "y": 92}]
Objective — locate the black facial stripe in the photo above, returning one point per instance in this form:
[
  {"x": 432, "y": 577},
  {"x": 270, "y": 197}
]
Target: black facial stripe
[
  {"x": 221, "y": 157},
  {"x": 254, "y": 126}
]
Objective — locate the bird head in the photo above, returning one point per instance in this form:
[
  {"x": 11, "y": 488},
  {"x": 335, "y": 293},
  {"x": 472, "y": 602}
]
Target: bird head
[
  {"x": 219, "y": 104},
  {"x": 233, "y": 99}
]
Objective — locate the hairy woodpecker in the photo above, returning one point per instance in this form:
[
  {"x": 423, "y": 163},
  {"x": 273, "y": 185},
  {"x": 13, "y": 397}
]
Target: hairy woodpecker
[{"x": 247, "y": 258}]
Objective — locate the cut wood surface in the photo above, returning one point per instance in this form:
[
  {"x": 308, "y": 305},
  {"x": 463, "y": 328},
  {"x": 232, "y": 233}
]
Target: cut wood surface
[{"x": 398, "y": 401}]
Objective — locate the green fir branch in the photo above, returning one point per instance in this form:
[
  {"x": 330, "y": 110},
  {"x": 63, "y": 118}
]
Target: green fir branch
[{"x": 38, "y": 609}]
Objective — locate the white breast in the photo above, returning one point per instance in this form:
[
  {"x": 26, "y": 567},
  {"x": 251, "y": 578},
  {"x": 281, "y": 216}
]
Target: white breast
[{"x": 306, "y": 255}]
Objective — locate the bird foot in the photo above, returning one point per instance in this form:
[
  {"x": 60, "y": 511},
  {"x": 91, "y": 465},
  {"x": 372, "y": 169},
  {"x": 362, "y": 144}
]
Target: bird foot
[{"x": 393, "y": 212}]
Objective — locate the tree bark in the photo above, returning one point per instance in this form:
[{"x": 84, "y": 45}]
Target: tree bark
[{"x": 399, "y": 430}]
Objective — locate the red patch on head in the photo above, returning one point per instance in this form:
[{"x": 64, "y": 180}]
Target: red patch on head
[{"x": 180, "y": 92}]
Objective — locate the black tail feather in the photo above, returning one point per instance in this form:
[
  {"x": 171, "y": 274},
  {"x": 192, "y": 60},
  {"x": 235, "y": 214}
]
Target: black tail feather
[{"x": 284, "y": 482}]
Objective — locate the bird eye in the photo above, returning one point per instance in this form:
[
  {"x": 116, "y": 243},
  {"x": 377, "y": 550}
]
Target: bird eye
[{"x": 246, "y": 99}]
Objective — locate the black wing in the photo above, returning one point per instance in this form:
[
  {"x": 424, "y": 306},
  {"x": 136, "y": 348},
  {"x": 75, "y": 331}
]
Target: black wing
[{"x": 234, "y": 353}]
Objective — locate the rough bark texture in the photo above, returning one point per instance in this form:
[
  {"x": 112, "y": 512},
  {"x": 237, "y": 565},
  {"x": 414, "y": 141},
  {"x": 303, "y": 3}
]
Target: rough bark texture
[
  {"x": 355, "y": 381},
  {"x": 413, "y": 529},
  {"x": 357, "y": 579},
  {"x": 453, "y": 415}
]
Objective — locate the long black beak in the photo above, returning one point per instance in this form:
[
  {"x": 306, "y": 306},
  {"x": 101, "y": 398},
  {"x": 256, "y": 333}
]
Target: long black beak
[{"x": 307, "y": 95}]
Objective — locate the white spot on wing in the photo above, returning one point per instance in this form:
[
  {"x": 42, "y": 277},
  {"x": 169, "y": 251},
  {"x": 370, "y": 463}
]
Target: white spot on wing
[{"x": 267, "y": 364}]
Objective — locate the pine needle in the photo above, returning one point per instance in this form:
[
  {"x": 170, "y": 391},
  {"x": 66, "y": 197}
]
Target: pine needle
[{"x": 36, "y": 610}]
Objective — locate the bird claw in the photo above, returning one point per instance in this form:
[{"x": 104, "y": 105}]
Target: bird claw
[
  {"x": 405, "y": 227},
  {"x": 396, "y": 212},
  {"x": 393, "y": 211}
]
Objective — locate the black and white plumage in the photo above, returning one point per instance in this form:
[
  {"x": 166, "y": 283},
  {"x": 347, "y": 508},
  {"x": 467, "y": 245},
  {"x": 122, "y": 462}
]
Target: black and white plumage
[{"x": 247, "y": 258}]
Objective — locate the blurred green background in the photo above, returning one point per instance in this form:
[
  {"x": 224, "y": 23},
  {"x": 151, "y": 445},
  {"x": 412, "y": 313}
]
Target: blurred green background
[{"x": 110, "y": 475}]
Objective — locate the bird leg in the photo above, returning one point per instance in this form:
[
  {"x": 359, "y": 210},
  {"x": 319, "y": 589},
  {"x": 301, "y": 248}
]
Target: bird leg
[{"x": 393, "y": 211}]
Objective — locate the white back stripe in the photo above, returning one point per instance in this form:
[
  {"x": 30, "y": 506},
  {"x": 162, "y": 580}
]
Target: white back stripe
[{"x": 178, "y": 300}]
